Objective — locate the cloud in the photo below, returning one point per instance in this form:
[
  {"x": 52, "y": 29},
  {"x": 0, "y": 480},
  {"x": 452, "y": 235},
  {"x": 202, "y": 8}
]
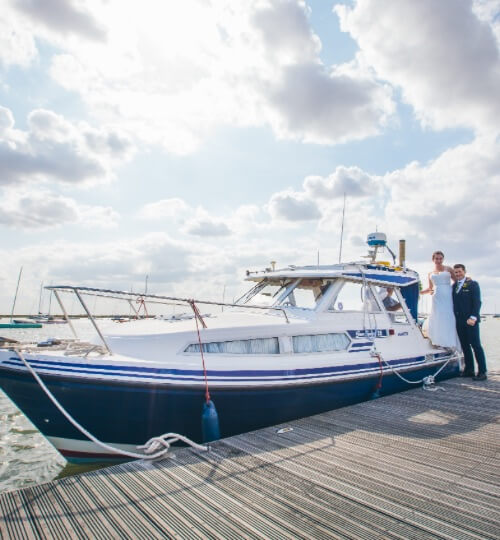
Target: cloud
[
  {"x": 352, "y": 181},
  {"x": 192, "y": 221},
  {"x": 294, "y": 41},
  {"x": 293, "y": 206},
  {"x": 43, "y": 210},
  {"x": 61, "y": 16},
  {"x": 53, "y": 149},
  {"x": 451, "y": 200},
  {"x": 448, "y": 70},
  {"x": 165, "y": 209},
  {"x": 207, "y": 227},
  {"x": 172, "y": 79},
  {"x": 17, "y": 42},
  {"x": 316, "y": 106}
]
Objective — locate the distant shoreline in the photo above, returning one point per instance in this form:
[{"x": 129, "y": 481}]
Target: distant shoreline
[{"x": 82, "y": 316}]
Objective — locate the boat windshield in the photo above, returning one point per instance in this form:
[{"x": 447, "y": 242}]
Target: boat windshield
[
  {"x": 267, "y": 293},
  {"x": 300, "y": 293}
]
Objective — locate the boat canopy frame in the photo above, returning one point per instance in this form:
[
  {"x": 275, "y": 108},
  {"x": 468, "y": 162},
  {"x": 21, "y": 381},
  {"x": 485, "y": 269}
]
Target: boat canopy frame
[{"x": 80, "y": 291}]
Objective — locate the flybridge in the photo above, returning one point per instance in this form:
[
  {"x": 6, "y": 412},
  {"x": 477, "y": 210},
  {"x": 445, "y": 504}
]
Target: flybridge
[
  {"x": 381, "y": 274},
  {"x": 375, "y": 272}
]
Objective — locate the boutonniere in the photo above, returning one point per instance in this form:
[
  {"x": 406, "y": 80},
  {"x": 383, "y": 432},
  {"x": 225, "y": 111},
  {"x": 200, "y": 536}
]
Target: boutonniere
[{"x": 465, "y": 285}]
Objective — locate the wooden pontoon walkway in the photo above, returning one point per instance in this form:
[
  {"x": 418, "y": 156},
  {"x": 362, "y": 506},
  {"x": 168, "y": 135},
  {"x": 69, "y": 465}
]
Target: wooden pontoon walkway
[{"x": 413, "y": 465}]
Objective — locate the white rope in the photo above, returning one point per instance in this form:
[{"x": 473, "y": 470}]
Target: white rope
[
  {"x": 150, "y": 447},
  {"x": 428, "y": 381}
]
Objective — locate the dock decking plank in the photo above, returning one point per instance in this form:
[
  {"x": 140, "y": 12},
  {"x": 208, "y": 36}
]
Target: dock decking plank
[{"x": 412, "y": 465}]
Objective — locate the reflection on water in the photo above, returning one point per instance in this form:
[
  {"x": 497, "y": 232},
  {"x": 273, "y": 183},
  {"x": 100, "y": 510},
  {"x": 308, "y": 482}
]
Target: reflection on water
[{"x": 26, "y": 458}]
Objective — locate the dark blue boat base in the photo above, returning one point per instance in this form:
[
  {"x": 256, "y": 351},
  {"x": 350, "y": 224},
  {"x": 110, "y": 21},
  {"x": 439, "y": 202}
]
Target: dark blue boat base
[{"x": 126, "y": 414}]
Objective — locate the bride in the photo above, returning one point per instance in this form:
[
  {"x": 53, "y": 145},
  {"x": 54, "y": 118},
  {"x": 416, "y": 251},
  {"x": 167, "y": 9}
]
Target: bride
[{"x": 440, "y": 326}]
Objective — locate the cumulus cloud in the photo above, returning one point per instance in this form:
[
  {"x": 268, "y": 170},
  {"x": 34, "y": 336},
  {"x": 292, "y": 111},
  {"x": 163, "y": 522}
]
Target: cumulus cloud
[
  {"x": 351, "y": 181},
  {"x": 172, "y": 79},
  {"x": 448, "y": 70},
  {"x": 207, "y": 227},
  {"x": 192, "y": 221},
  {"x": 293, "y": 206},
  {"x": 64, "y": 16},
  {"x": 316, "y": 106},
  {"x": 452, "y": 199},
  {"x": 17, "y": 42},
  {"x": 294, "y": 41},
  {"x": 57, "y": 150},
  {"x": 165, "y": 209},
  {"x": 43, "y": 210},
  {"x": 6, "y": 120}
]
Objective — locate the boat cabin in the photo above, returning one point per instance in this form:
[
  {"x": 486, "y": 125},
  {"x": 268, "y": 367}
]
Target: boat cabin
[{"x": 344, "y": 288}]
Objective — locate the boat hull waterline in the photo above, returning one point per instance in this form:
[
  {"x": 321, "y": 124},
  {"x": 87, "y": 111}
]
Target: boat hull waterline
[{"x": 127, "y": 413}]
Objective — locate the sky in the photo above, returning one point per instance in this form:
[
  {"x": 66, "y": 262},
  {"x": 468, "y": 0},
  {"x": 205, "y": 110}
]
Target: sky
[{"x": 190, "y": 141}]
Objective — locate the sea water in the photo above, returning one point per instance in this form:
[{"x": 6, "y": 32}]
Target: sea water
[{"x": 26, "y": 458}]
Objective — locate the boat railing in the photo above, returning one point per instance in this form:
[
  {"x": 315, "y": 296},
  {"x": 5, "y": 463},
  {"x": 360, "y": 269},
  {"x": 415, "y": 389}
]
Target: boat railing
[{"x": 141, "y": 299}]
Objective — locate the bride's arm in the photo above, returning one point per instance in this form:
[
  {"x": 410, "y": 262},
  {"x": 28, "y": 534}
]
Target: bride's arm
[{"x": 452, "y": 273}]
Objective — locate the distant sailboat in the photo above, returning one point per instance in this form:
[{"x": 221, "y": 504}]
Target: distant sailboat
[
  {"x": 19, "y": 323},
  {"x": 47, "y": 318}
]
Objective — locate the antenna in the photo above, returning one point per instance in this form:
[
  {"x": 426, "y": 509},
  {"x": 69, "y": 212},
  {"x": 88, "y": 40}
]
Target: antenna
[{"x": 342, "y": 231}]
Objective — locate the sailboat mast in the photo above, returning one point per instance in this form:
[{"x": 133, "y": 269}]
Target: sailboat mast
[
  {"x": 15, "y": 296},
  {"x": 40, "y": 300}
]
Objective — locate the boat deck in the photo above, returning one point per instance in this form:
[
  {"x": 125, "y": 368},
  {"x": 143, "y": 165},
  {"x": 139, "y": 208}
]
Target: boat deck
[{"x": 418, "y": 464}]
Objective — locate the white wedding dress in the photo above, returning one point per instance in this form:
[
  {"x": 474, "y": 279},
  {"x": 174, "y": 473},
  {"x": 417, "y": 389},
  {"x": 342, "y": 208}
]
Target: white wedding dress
[{"x": 440, "y": 326}]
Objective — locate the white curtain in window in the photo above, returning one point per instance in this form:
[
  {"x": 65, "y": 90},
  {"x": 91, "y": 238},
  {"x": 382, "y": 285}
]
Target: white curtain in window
[
  {"x": 241, "y": 346},
  {"x": 320, "y": 343}
]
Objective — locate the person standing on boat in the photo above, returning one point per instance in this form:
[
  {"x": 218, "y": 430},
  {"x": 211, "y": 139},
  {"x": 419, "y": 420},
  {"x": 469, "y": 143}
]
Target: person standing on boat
[
  {"x": 440, "y": 326},
  {"x": 466, "y": 305},
  {"x": 390, "y": 303}
]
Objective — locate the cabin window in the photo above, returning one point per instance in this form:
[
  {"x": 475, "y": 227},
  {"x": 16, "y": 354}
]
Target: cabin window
[
  {"x": 396, "y": 312},
  {"x": 306, "y": 294},
  {"x": 349, "y": 298},
  {"x": 352, "y": 296},
  {"x": 320, "y": 343},
  {"x": 239, "y": 346}
]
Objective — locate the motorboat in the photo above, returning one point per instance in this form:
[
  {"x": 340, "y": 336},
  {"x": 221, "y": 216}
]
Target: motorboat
[{"x": 301, "y": 341}]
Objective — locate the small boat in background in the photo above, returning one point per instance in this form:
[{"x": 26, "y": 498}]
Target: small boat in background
[
  {"x": 50, "y": 319},
  {"x": 19, "y": 323}
]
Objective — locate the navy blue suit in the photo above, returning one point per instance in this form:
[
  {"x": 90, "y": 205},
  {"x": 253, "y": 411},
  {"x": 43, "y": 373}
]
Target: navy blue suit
[{"x": 467, "y": 302}]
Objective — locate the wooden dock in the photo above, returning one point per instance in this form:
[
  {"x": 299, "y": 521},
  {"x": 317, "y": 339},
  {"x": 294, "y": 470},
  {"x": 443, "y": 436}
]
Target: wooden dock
[{"x": 418, "y": 464}]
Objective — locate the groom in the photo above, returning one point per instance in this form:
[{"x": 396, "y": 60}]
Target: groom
[{"x": 466, "y": 305}]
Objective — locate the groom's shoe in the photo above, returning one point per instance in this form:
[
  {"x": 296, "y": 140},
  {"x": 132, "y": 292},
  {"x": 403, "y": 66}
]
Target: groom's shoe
[
  {"x": 466, "y": 374},
  {"x": 480, "y": 377}
]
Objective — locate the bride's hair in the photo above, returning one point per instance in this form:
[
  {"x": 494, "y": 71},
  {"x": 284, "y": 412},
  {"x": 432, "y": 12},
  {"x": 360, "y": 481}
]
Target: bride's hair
[{"x": 437, "y": 253}]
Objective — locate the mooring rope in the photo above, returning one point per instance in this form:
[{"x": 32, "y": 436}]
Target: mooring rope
[
  {"x": 163, "y": 441},
  {"x": 427, "y": 381}
]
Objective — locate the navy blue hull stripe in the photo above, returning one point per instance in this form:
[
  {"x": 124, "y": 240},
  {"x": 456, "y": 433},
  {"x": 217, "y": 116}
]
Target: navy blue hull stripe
[{"x": 232, "y": 376}]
